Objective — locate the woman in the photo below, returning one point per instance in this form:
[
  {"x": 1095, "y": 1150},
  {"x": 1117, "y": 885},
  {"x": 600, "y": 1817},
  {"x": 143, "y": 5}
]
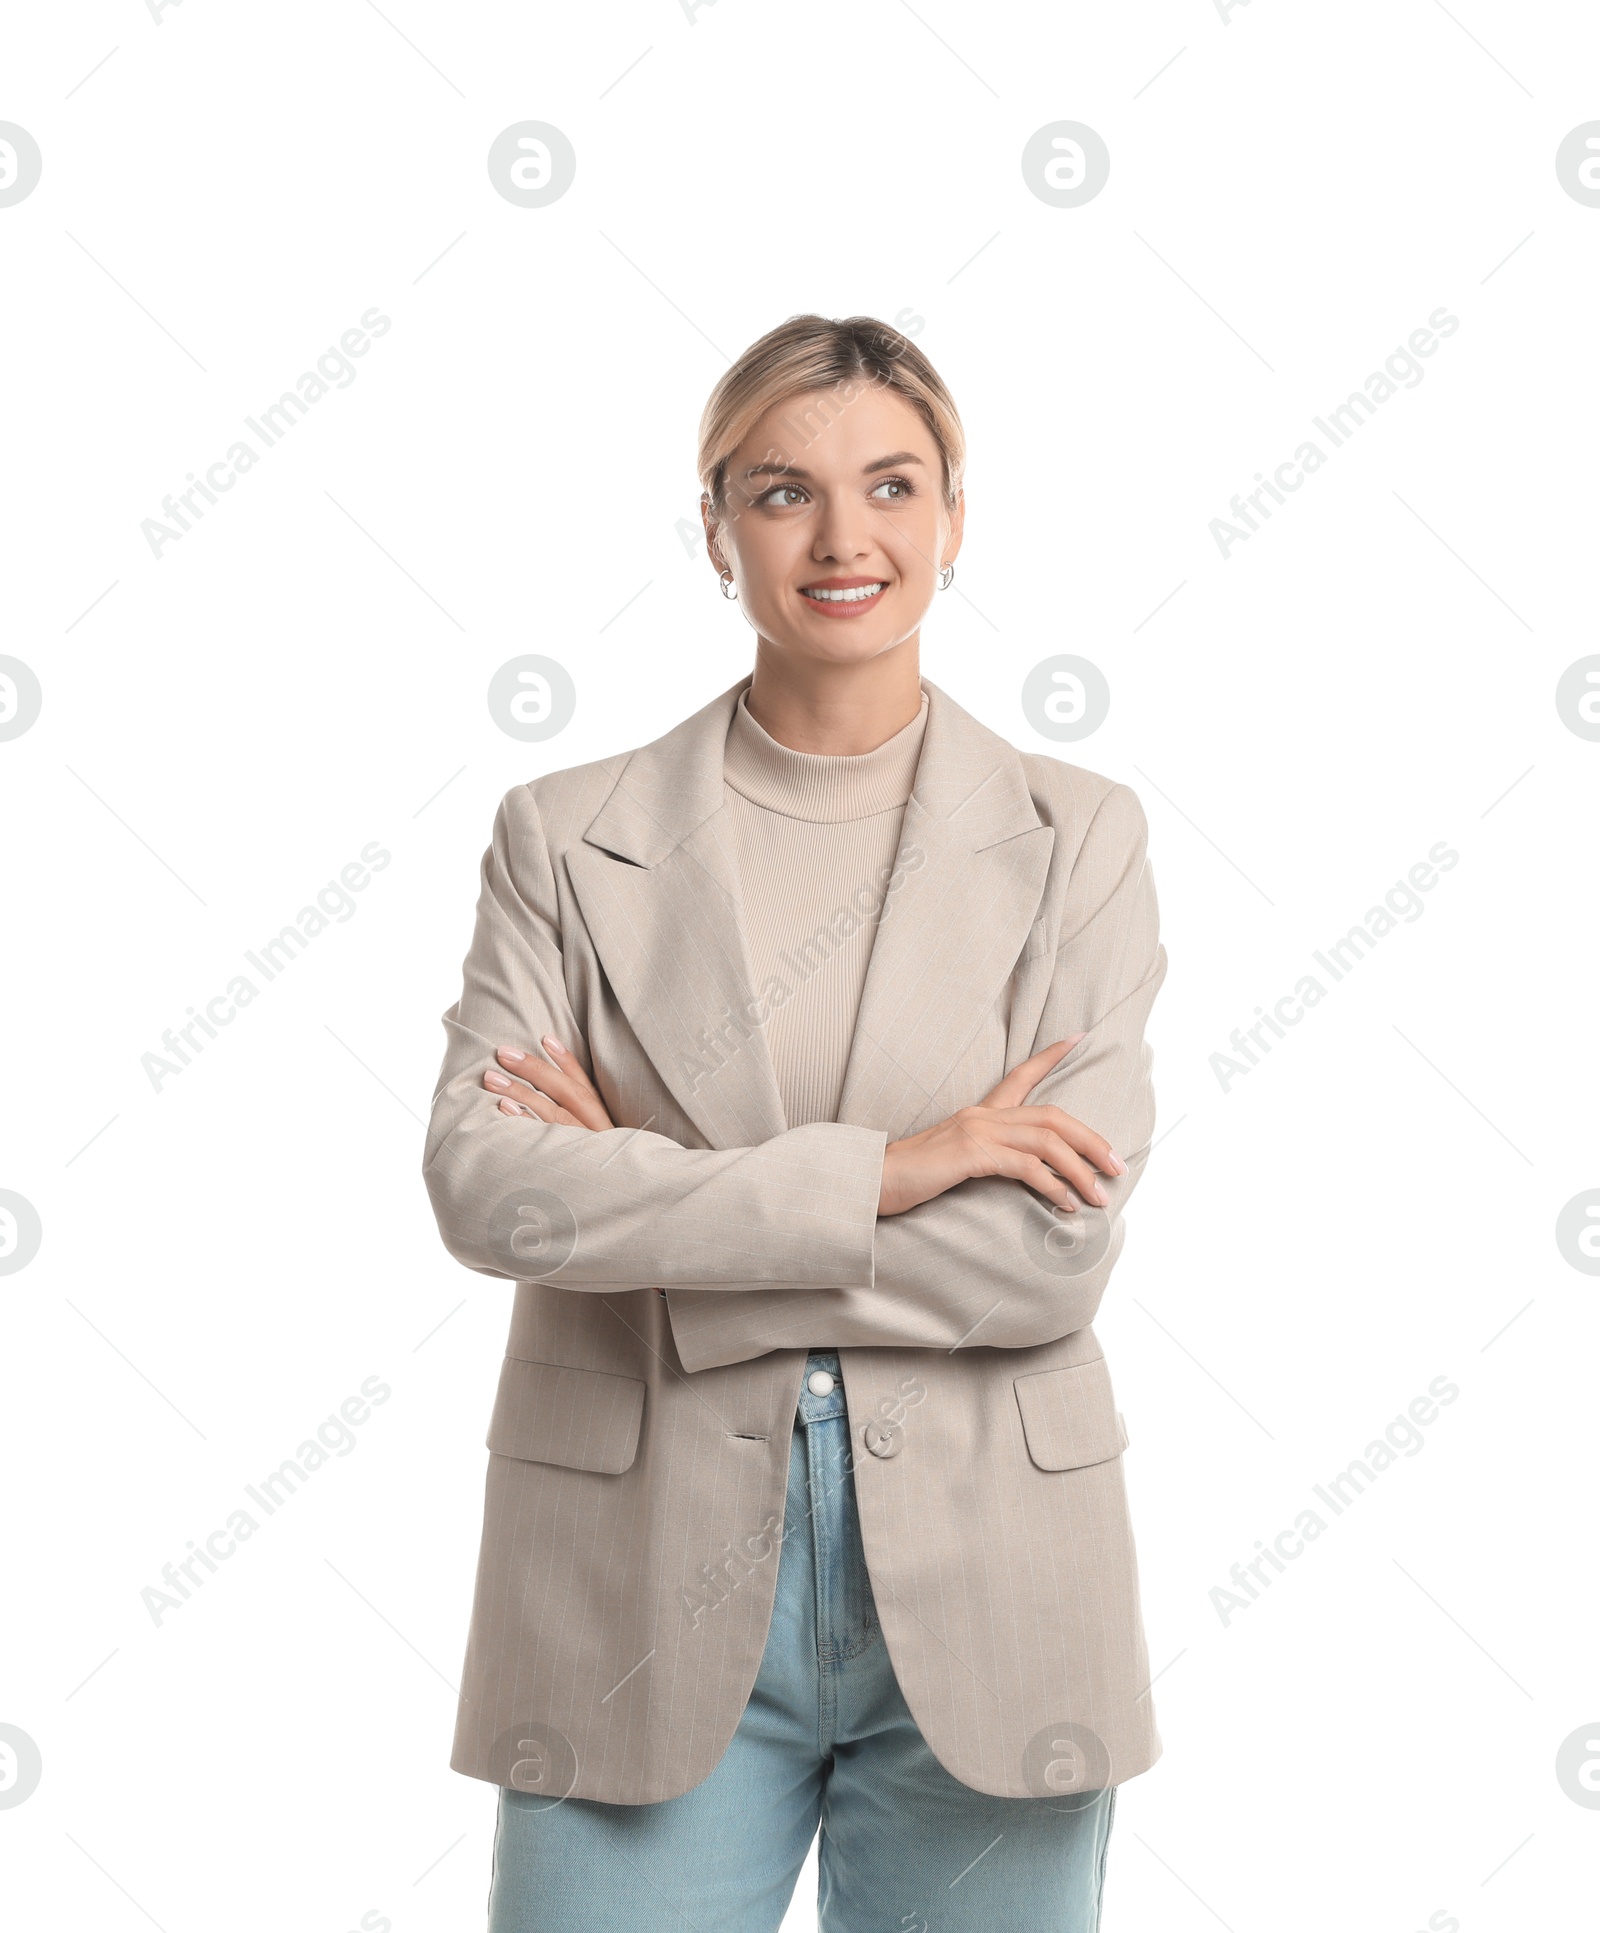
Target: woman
[{"x": 805, "y": 1503}]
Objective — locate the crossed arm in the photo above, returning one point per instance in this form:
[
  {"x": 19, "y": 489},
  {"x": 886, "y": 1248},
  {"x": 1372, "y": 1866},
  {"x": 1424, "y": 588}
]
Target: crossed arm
[
  {"x": 998, "y": 1136},
  {"x": 827, "y": 1235}
]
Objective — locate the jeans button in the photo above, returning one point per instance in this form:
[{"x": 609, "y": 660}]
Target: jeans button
[{"x": 820, "y": 1383}]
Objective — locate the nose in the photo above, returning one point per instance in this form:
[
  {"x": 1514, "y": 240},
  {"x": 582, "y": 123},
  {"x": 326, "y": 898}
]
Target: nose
[{"x": 844, "y": 529}]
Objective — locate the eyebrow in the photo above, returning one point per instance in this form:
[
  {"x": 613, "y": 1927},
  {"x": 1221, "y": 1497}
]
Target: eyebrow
[{"x": 894, "y": 462}]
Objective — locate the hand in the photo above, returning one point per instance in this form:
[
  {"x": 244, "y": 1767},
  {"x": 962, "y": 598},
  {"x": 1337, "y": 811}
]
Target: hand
[
  {"x": 561, "y": 1093},
  {"x": 555, "y": 1090},
  {"x": 1037, "y": 1145}
]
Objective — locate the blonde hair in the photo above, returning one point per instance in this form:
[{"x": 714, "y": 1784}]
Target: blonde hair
[{"x": 810, "y": 353}]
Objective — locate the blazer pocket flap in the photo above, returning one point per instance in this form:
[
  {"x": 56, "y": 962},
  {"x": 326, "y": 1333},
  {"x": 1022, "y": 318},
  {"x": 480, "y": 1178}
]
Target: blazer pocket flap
[
  {"x": 583, "y": 1419},
  {"x": 1068, "y": 1416}
]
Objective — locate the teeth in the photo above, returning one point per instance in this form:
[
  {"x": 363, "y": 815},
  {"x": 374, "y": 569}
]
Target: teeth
[{"x": 845, "y": 597}]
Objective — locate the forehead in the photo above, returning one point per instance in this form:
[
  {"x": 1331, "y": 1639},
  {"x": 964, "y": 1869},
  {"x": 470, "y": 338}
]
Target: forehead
[{"x": 844, "y": 426}]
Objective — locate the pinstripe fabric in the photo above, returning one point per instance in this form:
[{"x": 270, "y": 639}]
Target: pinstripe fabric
[
  {"x": 627, "y": 1565},
  {"x": 1067, "y": 1416},
  {"x": 548, "y": 1413}
]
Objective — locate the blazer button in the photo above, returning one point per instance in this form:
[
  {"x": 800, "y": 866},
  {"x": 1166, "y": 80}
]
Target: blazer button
[{"x": 883, "y": 1439}]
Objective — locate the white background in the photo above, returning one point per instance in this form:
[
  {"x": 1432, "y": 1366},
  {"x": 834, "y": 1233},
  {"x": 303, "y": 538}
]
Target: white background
[{"x": 1293, "y": 191}]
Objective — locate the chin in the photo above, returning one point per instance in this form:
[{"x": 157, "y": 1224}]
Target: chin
[{"x": 856, "y": 646}]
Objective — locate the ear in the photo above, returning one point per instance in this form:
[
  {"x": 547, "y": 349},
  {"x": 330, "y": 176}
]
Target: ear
[
  {"x": 958, "y": 522},
  {"x": 712, "y": 527}
]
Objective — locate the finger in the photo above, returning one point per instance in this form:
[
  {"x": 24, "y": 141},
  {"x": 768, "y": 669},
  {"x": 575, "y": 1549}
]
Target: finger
[
  {"x": 1023, "y": 1079},
  {"x": 568, "y": 1086},
  {"x": 1051, "y": 1149},
  {"x": 567, "y": 1061},
  {"x": 1021, "y": 1142},
  {"x": 580, "y": 1095},
  {"x": 1038, "y": 1144},
  {"x": 1094, "y": 1147},
  {"x": 540, "y": 1107},
  {"x": 1021, "y": 1166},
  {"x": 502, "y": 1084}
]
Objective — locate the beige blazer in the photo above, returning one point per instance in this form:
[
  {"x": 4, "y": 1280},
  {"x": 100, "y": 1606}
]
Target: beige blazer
[{"x": 639, "y": 1441}]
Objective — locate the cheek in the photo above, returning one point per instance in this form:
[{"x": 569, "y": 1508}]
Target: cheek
[
  {"x": 768, "y": 550},
  {"x": 912, "y": 545}
]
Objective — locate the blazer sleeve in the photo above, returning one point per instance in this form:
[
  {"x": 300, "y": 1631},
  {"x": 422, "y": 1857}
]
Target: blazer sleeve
[
  {"x": 529, "y": 1200},
  {"x": 989, "y": 1263}
]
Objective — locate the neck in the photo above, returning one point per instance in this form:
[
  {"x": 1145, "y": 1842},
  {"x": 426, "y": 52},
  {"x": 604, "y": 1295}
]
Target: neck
[{"x": 811, "y": 705}]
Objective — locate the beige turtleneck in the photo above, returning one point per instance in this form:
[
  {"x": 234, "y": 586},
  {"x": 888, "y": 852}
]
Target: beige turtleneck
[{"x": 816, "y": 837}]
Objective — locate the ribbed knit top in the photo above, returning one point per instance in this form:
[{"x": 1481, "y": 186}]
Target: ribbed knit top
[{"x": 816, "y": 836}]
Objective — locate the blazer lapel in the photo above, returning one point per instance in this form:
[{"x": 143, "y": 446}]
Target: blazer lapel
[
  {"x": 658, "y": 882},
  {"x": 973, "y": 858}
]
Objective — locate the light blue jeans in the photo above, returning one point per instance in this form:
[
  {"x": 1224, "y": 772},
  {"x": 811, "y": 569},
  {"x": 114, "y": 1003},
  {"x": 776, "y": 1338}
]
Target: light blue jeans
[{"x": 825, "y": 1742}]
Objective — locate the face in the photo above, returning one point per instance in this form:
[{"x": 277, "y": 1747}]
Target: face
[{"x": 835, "y": 526}]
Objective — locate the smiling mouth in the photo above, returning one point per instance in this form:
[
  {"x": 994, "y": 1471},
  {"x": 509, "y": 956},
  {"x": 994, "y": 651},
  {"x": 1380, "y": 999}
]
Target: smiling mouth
[{"x": 847, "y": 597}]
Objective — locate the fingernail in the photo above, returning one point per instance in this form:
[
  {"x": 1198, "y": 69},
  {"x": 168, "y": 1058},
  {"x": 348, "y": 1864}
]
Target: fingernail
[
  {"x": 509, "y": 1107},
  {"x": 549, "y": 1040},
  {"x": 498, "y": 1081},
  {"x": 1100, "y": 1195},
  {"x": 1118, "y": 1165},
  {"x": 509, "y": 1053}
]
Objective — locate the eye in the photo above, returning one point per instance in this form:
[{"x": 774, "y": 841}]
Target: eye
[
  {"x": 783, "y": 496},
  {"x": 898, "y": 487}
]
